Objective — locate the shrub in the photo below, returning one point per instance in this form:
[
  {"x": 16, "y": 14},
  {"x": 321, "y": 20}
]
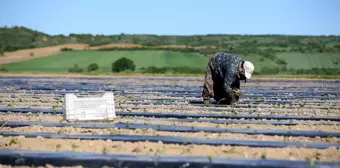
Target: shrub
[
  {"x": 3, "y": 70},
  {"x": 76, "y": 69},
  {"x": 123, "y": 64},
  {"x": 92, "y": 67},
  {"x": 66, "y": 49},
  {"x": 281, "y": 62}
]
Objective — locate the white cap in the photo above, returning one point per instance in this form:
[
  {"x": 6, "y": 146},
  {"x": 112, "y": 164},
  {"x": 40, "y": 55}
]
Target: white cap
[{"x": 248, "y": 69}]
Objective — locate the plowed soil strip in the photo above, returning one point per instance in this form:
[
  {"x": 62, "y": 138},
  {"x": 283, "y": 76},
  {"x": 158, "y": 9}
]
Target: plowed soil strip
[
  {"x": 86, "y": 159},
  {"x": 192, "y": 115},
  {"x": 151, "y": 148},
  {"x": 59, "y": 118},
  {"x": 173, "y": 140},
  {"x": 330, "y": 113},
  {"x": 328, "y": 128},
  {"x": 187, "y": 129},
  {"x": 152, "y": 132}
]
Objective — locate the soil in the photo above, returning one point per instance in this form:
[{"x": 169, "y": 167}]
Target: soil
[
  {"x": 71, "y": 130},
  {"x": 150, "y": 148},
  {"x": 311, "y": 108},
  {"x": 328, "y": 128},
  {"x": 25, "y": 54}
]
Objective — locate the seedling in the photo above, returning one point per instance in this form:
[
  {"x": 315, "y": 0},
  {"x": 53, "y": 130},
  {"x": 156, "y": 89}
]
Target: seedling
[
  {"x": 210, "y": 158},
  {"x": 187, "y": 139},
  {"x": 263, "y": 156},
  {"x": 238, "y": 92},
  {"x": 54, "y": 110},
  {"x": 74, "y": 146},
  {"x": 60, "y": 131},
  {"x": 302, "y": 105},
  {"x": 58, "y": 146},
  {"x": 329, "y": 135},
  {"x": 13, "y": 141},
  {"x": 9, "y": 105},
  {"x": 105, "y": 152},
  {"x": 232, "y": 150},
  {"x": 311, "y": 163},
  {"x": 136, "y": 150},
  {"x": 3, "y": 124}
]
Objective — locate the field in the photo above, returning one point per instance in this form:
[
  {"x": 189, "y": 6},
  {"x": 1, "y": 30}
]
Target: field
[
  {"x": 26, "y": 50},
  {"x": 311, "y": 60},
  {"x": 161, "y": 122},
  {"x": 63, "y": 61}
]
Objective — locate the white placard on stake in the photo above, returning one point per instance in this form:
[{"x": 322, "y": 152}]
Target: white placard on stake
[{"x": 89, "y": 108}]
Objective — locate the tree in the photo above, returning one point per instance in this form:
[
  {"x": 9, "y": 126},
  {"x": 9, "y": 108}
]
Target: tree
[
  {"x": 75, "y": 68},
  {"x": 123, "y": 64},
  {"x": 92, "y": 67}
]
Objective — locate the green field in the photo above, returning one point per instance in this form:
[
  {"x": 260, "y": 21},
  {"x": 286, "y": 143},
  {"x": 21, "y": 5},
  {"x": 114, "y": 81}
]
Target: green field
[
  {"x": 62, "y": 62},
  {"x": 310, "y": 60}
]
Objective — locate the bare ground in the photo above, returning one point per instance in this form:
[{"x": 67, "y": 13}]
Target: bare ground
[
  {"x": 328, "y": 128},
  {"x": 25, "y": 54},
  {"x": 150, "y": 148},
  {"x": 151, "y": 132}
]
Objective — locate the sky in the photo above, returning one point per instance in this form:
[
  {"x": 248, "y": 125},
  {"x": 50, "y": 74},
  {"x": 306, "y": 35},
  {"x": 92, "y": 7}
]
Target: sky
[{"x": 174, "y": 17}]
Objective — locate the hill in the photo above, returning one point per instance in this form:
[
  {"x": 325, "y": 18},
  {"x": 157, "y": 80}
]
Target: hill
[
  {"x": 14, "y": 38},
  {"x": 272, "y": 54}
]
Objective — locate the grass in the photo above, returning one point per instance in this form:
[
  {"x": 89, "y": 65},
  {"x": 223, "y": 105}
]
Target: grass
[
  {"x": 60, "y": 63},
  {"x": 310, "y": 60}
]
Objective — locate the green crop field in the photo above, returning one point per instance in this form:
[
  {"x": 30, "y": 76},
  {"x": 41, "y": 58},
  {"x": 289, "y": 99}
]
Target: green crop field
[
  {"x": 310, "y": 60},
  {"x": 62, "y": 62}
]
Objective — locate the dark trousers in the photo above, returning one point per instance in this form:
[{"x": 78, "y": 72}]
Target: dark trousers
[{"x": 213, "y": 85}]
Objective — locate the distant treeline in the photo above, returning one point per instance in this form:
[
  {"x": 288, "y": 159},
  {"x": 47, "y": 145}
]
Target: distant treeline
[{"x": 15, "y": 38}]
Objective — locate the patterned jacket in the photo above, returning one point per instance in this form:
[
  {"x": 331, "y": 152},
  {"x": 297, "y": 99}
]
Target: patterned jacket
[{"x": 227, "y": 70}]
